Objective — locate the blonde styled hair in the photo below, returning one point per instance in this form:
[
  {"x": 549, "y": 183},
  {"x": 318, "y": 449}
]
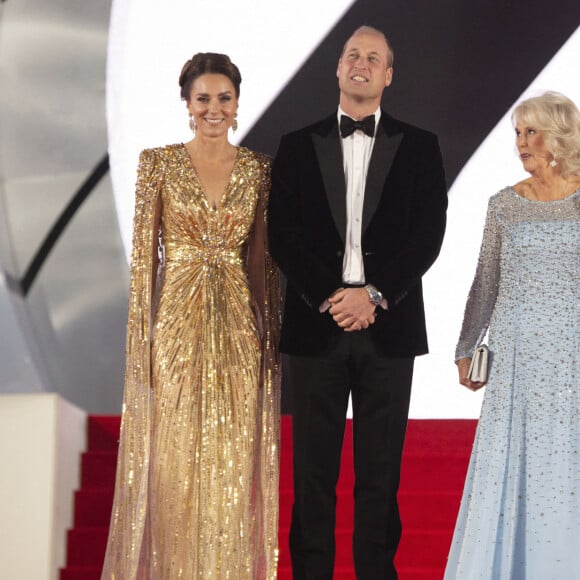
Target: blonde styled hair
[{"x": 557, "y": 118}]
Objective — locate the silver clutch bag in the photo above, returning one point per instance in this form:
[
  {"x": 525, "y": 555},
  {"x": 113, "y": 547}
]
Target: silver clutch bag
[{"x": 478, "y": 369}]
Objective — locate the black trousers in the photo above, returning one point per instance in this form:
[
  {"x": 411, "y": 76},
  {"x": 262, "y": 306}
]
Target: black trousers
[{"x": 320, "y": 387}]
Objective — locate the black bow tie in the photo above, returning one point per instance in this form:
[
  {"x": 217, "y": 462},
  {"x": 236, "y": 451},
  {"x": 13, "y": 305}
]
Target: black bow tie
[{"x": 349, "y": 126}]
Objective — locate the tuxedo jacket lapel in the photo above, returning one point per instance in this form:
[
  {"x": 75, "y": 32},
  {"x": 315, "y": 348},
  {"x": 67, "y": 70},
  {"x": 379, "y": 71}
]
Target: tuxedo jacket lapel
[
  {"x": 329, "y": 154},
  {"x": 387, "y": 141}
]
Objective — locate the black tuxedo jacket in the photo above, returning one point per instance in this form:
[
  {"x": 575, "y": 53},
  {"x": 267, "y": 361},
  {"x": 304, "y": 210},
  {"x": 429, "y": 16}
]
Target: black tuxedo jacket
[{"x": 403, "y": 225}]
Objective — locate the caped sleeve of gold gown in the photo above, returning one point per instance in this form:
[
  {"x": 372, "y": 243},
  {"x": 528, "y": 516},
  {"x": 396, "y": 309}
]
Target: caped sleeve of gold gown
[
  {"x": 130, "y": 503},
  {"x": 127, "y": 547},
  {"x": 265, "y": 287}
]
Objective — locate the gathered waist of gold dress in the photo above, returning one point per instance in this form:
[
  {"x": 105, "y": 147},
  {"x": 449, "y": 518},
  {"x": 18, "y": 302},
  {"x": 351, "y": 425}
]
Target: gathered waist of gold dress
[{"x": 232, "y": 256}]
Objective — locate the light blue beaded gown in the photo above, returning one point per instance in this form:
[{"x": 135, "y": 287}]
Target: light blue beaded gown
[{"x": 520, "y": 511}]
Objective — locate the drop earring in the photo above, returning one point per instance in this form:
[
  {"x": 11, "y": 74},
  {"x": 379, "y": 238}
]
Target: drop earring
[
  {"x": 235, "y": 123},
  {"x": 553, "y": 163},
  {"x": 192, "y": 124}
]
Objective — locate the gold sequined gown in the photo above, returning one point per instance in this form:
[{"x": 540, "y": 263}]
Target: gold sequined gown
[{"x": 197, "y": 476}]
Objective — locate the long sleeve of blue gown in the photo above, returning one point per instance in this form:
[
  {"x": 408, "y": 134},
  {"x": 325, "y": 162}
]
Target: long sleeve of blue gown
[{"x": 484, "y": 288}]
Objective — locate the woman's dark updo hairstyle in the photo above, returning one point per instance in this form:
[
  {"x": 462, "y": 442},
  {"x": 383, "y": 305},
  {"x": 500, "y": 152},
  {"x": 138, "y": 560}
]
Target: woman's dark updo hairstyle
[{"x": 208, "y": 62}]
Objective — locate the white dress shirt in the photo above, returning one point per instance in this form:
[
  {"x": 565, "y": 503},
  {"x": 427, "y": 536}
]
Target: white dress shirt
[{"x": 356, "y": 154}]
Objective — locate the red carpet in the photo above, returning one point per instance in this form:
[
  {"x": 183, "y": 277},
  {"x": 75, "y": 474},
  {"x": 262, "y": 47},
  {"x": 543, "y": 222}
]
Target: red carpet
[{"x": 434, "y": 466}]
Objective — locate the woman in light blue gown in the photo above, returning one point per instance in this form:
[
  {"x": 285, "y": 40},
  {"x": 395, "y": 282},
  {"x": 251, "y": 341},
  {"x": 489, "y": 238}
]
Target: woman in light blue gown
[{"x": 520, "y": 511}]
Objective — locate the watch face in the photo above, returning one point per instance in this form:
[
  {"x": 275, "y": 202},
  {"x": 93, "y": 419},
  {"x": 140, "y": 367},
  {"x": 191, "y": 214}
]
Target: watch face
[{"x": 374, "y": 295}]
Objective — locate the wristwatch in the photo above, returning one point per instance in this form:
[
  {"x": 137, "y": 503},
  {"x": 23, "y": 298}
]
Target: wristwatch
[{"x": 375, "y": 296}]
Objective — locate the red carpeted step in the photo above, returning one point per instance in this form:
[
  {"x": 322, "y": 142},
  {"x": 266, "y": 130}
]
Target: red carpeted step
[
  {"x": 433, "y": 472},
  {"x": 429, "y": 509},
  {"x": 423, "y": 548},
  {"x": 286, "y": 471},
  {"x": 81, "y": 573},
  {"x": 434, "y": 573},
  {"x": 93, "y": 507},
  {"x": 103, "y": 432},
  {"x": 98, "y": 468},
  {"x": 440, "y": 436},
  {"x": 86, "y": 546}
]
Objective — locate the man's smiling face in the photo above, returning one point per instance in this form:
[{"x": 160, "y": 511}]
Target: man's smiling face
[{"x": 363, "y": 69}]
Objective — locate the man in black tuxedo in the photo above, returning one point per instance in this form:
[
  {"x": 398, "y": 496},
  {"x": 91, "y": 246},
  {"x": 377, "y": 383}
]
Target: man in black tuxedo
[{"x": 355, "y": 220}]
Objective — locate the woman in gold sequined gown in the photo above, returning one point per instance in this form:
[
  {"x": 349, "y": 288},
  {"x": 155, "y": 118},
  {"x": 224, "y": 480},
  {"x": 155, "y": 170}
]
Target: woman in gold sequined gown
[{"x": 197, "y": 475}]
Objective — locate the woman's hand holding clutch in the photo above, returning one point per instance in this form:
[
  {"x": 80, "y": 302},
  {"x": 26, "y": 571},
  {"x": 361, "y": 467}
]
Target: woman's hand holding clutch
[{"x": 463, "y": 365}]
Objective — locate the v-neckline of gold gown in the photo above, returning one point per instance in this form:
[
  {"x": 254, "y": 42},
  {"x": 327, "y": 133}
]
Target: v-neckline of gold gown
[{"x": 203, "y": 193}]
